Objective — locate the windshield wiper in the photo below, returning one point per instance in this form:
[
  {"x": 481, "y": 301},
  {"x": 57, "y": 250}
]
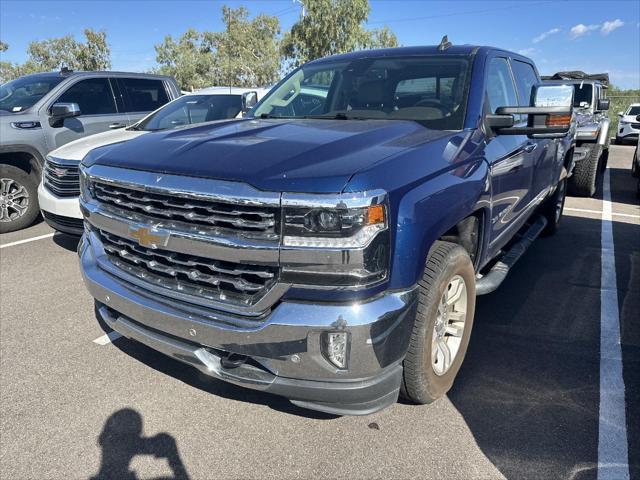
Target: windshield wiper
[{"x": 337, "y": 116}]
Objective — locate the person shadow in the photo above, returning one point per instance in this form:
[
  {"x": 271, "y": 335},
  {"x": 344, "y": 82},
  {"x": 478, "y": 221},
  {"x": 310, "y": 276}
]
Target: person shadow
[{"x": 121, "y": 440}]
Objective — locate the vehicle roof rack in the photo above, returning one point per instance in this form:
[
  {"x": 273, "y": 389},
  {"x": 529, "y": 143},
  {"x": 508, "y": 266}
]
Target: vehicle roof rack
[
  {"x": 444, "y": 43},
  {"x": 579, "y": 75}
]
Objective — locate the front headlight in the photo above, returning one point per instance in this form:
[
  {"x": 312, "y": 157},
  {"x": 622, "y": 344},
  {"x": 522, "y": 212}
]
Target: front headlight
[{"x": 335, "y": 240}]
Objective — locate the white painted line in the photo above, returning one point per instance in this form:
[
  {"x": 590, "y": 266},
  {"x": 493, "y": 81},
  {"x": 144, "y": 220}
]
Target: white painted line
[
  {"x": 597, "y": 212},
  {"x": 27, "y": 240},
  {"x": 613, "y": 458},
  {"x": 108, "y": 338}
]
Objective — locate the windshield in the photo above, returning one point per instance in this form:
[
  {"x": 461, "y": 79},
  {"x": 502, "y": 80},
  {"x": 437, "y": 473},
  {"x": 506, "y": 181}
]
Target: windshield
[
  {"x": 634, "y": 111},
  {"x": 190, "y": 109},
  {"x": 582, "y": 93},
  {"x": 431, "y": 90},
  {"x": 23, "y": 93}
]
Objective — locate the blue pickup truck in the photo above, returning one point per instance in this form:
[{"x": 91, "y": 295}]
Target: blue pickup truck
[{"x": 329, "y": 247}]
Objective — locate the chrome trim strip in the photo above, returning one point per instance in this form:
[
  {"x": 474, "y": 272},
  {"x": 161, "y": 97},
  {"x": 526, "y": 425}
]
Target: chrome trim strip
[
  {"x": 257, "y": 309},
  {"x": 187, "y": 187},
  {"x": 233, "y": 249},
  {"x": 342, "y": 200}
]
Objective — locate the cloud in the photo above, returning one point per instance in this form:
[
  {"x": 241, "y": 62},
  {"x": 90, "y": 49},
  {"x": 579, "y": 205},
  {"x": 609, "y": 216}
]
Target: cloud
[
  {"x": 544, "y": 35},
  {"x": 582, "y": 29},
  {"x": 610, "y": 26},
  {"x": 526, "y": 51}
]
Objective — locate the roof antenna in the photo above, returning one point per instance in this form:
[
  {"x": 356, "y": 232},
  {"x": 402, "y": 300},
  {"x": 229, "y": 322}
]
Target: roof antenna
[{"x": 444, "y": 43}]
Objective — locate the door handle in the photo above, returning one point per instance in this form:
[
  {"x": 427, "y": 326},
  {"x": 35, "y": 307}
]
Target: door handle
[
  {"x": 530, "y": 147},
  {"x": 113, "y": 126}
]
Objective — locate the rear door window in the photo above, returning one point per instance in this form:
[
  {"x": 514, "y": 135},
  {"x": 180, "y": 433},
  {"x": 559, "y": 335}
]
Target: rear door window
[
  {"x": 500, "y": 89},
  {"x": 142, "y": 94},
  {"x": 94, "y": 96},
  {"x": 526, "y": 80}
]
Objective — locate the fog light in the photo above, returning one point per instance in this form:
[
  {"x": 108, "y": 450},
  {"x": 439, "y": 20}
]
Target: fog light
[{"x": 335, "y": 348}]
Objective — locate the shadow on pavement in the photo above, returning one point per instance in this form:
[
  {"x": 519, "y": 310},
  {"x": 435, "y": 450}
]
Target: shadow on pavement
[
  {"x": 68, "y": 242},
  {"x": 121, "y": 440},
  {"x": 529, "y": 386}
]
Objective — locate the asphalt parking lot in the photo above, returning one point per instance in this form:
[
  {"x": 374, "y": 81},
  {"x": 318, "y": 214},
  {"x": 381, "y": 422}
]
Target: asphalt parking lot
[{"x": 526, "y": 403}]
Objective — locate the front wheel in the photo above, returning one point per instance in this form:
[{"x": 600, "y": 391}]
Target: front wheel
[
  {"x": 18, "y": 199},
  {"x": 442, "y": 325},
  {"x": 585, "y": 173}
]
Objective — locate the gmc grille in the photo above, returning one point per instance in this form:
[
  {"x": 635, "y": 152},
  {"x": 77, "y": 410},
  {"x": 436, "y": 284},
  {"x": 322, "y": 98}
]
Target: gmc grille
[{"x": 62, "y": 177}]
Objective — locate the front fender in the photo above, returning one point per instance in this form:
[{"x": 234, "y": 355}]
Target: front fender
[
  {"x": 432, "y": 208},
  {"x": 603, "y": 136}
]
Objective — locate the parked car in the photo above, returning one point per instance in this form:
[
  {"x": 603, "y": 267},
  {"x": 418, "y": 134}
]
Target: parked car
[
  {"x": 628, "y": 125},
  {"x": 332, "y": 255},
  {"x": 635, "y": 164},
  {"x": 58, "y": 192},
  {"x": 592, "y": 147},
  {"x": 41, "y": 112}
]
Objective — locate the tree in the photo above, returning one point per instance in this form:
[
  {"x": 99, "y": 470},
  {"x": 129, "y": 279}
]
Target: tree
[
  {"x": 330, "y": 27},
  {"x": 245, "y": 54},
  {"x": 53, "y": 53}
]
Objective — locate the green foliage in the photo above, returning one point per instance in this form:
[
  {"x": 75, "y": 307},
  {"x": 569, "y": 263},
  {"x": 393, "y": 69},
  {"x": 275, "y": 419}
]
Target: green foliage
[
  {"x": 330, "y": 27},
  {"x": 619, "y": 102},
  {"x": 244, "y": 54},
  {"x": 53, "y": 53}
]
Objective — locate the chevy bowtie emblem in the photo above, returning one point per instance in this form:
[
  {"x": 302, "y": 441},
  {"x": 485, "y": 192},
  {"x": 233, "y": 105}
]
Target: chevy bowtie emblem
[
  {"x": 148, "y": 238},
  {"x": 59, "y": 172}
]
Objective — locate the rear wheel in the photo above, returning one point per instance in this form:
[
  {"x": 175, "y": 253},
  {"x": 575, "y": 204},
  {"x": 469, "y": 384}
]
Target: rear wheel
[
  {"x": 443, "y": 324},
  {"x": 18, "y": 199},
  {"x": 552, "y": 209},
  {"x": 585, "y": 174}
]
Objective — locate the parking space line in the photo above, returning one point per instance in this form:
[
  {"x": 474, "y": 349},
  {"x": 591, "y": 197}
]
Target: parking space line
[
  {"x": 597, "y": 212},
  {"x": 613, "y": 458},
  {"x": 108, "y": 338},
  {"x": 26, "y": 240}
]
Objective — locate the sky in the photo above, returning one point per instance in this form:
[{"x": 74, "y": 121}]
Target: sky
[{"x": 589, "y": 35}]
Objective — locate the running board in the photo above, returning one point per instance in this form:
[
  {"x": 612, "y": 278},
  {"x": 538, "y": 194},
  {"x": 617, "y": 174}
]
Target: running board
[{"x": 492, "y": 280}]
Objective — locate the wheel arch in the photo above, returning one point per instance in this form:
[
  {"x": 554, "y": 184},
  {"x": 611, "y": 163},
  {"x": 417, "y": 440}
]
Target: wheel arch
[{"x": 24, "y": 157}]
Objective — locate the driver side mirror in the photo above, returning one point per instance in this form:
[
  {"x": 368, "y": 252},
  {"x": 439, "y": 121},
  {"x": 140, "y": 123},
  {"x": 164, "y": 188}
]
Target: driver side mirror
[
  {"x": 62, "y": 110},
  {"x": 249, "y": 99},
  {"x": 603, "y": 104},
  {"x": 549, "y": 117}
]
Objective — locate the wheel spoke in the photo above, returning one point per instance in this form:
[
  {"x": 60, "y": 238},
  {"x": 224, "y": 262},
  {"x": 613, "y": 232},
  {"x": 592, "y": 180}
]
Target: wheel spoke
[
  {"x": 5, "y": 186},
  {"x": 19, "y": 209},
  {"x": 455, "y": 292},
  {"x": 457, "y": 316},
  {"x": 455, "y": 329},
  {"x": 4, "y": 214},
  {"x": 446, "y": 353},
  {"x": 21, "y": 192}
]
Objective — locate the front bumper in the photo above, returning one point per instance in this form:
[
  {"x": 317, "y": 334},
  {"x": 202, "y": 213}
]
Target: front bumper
[
  {"x": 62, "y": 214},
  {"x": 283, "y": 350},
  {"x": 627, "y": 131}
]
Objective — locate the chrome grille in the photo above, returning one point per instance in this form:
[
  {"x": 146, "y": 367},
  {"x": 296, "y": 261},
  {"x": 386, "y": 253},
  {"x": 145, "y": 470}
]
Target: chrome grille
[
  {"x": 62, "y": 177},
  {"x": 188, "y": 274},
  {"x": 183, "y": 209}
]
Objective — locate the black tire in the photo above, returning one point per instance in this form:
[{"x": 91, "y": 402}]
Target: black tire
[
  {"x": 585, "y": 174},
  {"x": 17, "y": 177},
  {"x": 553, "y": 207},
  {"x": 635, "y": 171},
  {"x": 604, "y": 159},
  {"x": 420, "y": 383}
]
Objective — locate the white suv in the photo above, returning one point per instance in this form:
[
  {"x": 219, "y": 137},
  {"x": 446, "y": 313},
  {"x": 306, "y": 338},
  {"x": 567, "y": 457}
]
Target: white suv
[
  {"x": 628, "y": 125},
  {"x": 58, "y": 192}
]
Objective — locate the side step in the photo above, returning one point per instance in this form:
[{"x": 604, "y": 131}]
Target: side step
[{"x": 492, "y": 280}]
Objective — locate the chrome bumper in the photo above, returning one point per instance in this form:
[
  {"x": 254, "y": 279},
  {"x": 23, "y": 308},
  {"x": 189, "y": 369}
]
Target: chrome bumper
[{"x": 285, "y": 345}]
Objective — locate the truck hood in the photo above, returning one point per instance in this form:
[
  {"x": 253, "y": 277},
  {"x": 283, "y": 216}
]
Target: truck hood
[
  {"x": 78, "y": 149},
  {"x": 302, "y": 155}
]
